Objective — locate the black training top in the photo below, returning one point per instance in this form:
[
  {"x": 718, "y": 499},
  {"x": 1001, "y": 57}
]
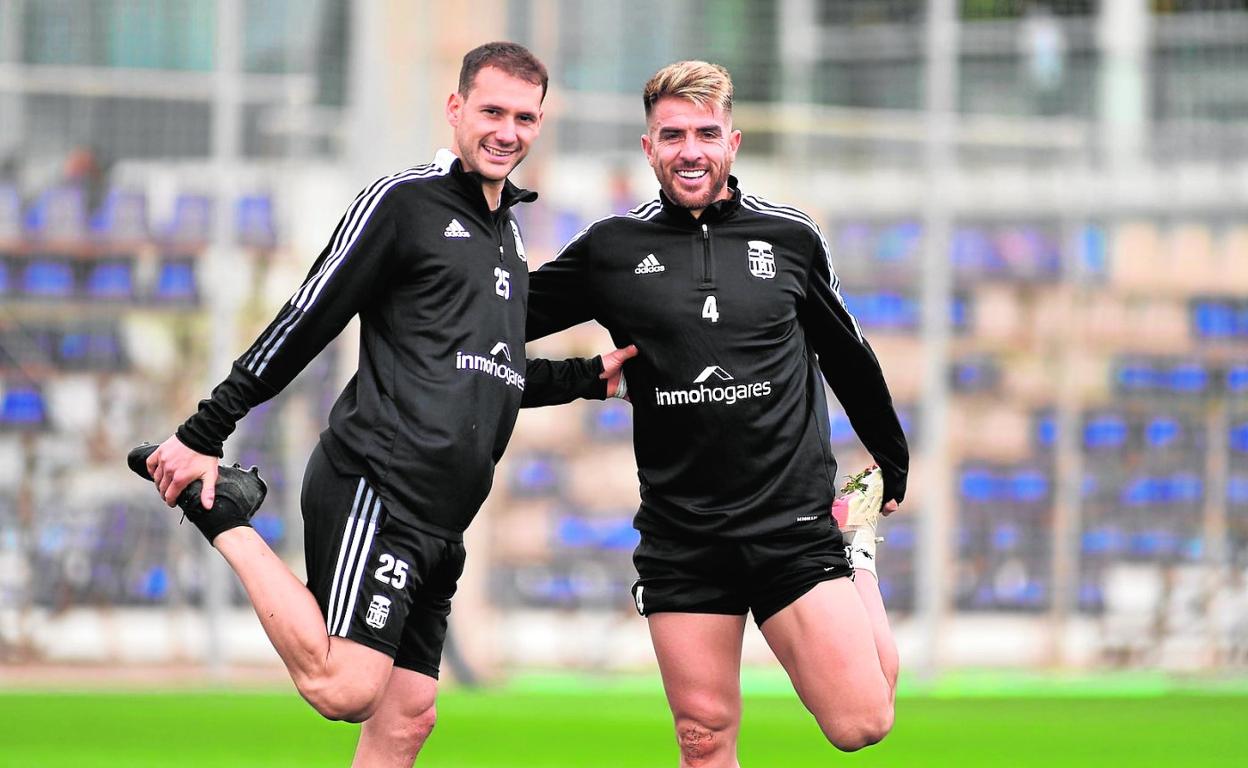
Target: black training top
[
  {"x": 735, "y": 314},
  {"x": 440, "y": 283}
]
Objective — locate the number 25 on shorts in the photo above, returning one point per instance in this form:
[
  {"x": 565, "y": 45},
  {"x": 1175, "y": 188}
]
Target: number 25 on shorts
[{"x": 392, "y": 572}]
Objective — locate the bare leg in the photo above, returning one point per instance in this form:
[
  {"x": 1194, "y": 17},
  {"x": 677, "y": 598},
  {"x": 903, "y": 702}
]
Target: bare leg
[
  {"x": 341, "y": 679},
  {"x": 393, "y": 736},
  {"x": 826, "y": 642},
  {"x": 700, "y": 659},
  {"x": 868, "y": 587}
]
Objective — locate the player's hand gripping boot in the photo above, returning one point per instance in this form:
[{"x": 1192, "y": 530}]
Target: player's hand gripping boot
[{"x": 240, "y": 492}]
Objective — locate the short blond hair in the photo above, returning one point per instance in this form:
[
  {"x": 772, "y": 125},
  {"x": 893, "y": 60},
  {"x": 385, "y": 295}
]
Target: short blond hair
[{"x": 701, "y": 82}]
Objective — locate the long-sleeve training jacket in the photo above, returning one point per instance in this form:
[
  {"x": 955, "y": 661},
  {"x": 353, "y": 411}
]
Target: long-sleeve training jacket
[
  {"x": 440, "y": 283},
  {"x": 735, "y": 314}
]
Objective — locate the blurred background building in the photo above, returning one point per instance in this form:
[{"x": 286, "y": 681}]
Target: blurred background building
[{"x": 1038, "y": 211}]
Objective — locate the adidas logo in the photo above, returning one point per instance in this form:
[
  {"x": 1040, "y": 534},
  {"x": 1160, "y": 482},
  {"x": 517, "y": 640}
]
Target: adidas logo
[
  {"x": 455, "y": 229},
  {"x": 649, "y": 266}
]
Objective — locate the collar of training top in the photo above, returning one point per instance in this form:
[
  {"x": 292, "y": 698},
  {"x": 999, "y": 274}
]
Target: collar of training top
[
  {"x": 715, "y": 212},
  {"x": 471, "y": 182}
]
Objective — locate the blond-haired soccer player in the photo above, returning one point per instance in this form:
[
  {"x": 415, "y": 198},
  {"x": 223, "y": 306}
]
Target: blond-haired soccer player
[{"x": 734, "y": 304}]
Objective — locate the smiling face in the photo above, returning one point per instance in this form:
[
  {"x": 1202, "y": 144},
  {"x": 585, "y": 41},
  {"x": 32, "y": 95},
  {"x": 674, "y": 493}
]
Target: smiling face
[
  {"x": 495, "y": 123},
  {"x": 691, "y": 149}
]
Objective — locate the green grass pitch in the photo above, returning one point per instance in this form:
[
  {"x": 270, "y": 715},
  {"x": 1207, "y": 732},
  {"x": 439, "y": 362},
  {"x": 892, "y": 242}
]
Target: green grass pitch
[{"x": 624, "y": 728}]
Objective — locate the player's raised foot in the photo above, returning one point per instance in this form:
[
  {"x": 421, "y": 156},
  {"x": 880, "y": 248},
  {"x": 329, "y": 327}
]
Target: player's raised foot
[
  {"x": 239, "y": 493},
  {"x": 863, "y": 496}
]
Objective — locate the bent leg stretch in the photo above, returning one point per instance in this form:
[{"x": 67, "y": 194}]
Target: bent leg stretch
[
  {"x": 341, "y": 679},
  {"x": 868, "y": 588},
  {"x": 826, "y": 642}
]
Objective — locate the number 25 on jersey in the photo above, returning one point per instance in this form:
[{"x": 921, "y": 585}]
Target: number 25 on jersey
[{"x": 502, "y": 282}]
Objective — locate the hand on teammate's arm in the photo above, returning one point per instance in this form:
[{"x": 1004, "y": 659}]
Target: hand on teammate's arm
[
  {"x": 173, "y": 466},
  {"x": 613, "y": 370}
]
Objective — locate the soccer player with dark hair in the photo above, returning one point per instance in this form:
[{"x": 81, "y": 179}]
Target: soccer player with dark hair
[
  {"x": 432, "y": 262},
  {"x": 735, "y": 307}
]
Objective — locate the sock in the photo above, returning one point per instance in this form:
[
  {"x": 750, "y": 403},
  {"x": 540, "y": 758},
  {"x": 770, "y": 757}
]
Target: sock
[
  {"x": 860, "y": 544},
  {"x": 223, "y": 516}
]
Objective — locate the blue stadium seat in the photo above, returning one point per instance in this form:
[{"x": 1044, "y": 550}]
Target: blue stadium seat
[
  {"x": 111, "y": 280},
  {"x": 175, "y": 281},
  {"x": 191, "y": 223},
  {"x": 1105, "y": 431},
  {"x": 611, "y": 420},
  {"x": 1005, "y": 537},
  {"x": 1152, "y": 543},
  {"x": 1103, "y": 540},
  {"x": 975, "y": 375},
  {"x": 974, "y": 253},
  {"x": 122, "y": 217},
  {"x": 1237, "y": 379},
  {"x": 1237, "y": 489},
  {"x": 1138, "y": 377},
  {"x": 154, "y": 583},
  {"x": 1213, "y": 319},
  {"x": 1029, "y": 486},
  {"x": 1093, "y": 250},
  {"x": 1188, "y": 378},
  {"x": 536, "y": 475},
  {"x": 1185, "y": 488},
  {"x": 48, "y": 278},
  {"x": 576, "y": 532},
  {"x": 58, "y": 214},
  {"x": 842, "y": 431},
  {"x": 979, "y": 485},
  {"x": 253, "y": 221},
  {"x": 23, "y": 406},
  {"x": 270, "y": 526},
  {"x": 898, "y": 244},
  {"x": 901, "y": 537},
  {"x": 1163, "y": 432},
  {"x": 1238, "y": 438},
  {"x": 1045, "y": 434}
]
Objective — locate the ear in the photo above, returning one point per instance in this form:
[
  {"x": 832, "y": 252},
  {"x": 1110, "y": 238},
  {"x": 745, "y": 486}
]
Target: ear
[
  {"x": 454, "y": 108},
  {"x": 734, "y": 141},
  {"x": 647, "y": 146}
]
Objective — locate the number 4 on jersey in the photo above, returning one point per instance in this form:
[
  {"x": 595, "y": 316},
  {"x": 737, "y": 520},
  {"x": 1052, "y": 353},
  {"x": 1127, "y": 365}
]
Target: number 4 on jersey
[{"x": 710, "y": 309}]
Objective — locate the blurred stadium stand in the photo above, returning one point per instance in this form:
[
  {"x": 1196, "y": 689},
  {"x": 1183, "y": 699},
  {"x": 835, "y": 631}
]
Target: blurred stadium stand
[{"x": 1093, "y": 463}]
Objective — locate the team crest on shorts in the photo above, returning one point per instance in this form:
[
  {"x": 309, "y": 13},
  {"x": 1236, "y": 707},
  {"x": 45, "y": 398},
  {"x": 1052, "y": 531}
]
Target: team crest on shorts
[
  {"x": 762, "y": 260},
  {"x": 378, "y": 611}
]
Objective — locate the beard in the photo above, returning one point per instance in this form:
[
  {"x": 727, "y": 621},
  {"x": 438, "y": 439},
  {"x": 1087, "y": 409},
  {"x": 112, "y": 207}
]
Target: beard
[{"x": 717, "y": 180}]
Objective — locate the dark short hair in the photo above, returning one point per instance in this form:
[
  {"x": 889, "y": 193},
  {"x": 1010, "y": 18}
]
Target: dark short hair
[{"x": 512, "y": 58}]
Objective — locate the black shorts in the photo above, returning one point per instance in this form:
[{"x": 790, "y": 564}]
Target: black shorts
[
  {"x": 379, "y": 582},
  {"x": 733, "y": 576}
]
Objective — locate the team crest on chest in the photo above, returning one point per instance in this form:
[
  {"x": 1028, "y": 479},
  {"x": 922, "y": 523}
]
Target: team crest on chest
[
  {"x": 762, "y": 260},
  {"x": 515, "y": 230}
]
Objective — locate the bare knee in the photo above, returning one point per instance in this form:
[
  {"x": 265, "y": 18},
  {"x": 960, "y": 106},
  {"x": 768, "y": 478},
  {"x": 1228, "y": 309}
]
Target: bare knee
[
  {"x": 336, "y": 698},
  {"x": 850, "y": 732},
  {"x": 410, "y": 733},
  {"x": 705, "y": 732}
]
